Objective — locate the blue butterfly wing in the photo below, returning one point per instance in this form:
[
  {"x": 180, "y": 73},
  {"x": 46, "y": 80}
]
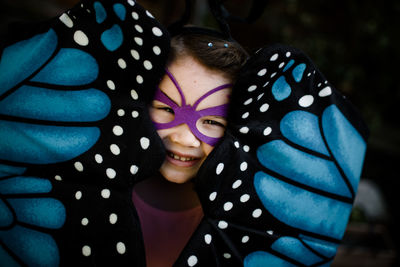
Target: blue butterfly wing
[
  {"x": 27, "y": 136},
  {"x": 312, "y": 172},
  {"x": 69, "y": 116},
  {"x": 278, "y": 190}
]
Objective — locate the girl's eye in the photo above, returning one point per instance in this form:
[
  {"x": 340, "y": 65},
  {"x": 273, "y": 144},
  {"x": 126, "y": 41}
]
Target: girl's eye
[
  {"x": 213, "y": 122},
  {"x": 167, "y": 109}
]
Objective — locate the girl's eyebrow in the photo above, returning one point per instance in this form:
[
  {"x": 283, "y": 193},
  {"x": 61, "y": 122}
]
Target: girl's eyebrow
[{"x": 216, "y": 116}]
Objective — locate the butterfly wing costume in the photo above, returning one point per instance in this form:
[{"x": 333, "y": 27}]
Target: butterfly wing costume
[
  {"x": 73, "y": 109},
  {"x": 284, "y": 194},
  {"x": 75, "y": 136}
]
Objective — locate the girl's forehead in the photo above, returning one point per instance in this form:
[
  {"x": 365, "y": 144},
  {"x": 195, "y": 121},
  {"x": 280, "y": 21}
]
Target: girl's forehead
[{"x": 195, "y": 80}]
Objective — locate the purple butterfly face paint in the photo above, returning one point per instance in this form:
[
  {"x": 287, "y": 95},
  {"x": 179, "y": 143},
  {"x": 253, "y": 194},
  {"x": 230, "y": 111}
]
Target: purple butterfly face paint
[{"x": 189, "y": 115}]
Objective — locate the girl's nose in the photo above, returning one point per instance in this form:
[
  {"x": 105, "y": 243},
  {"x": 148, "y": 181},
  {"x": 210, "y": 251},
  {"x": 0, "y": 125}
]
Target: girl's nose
[{"x": 183, "y": 135}]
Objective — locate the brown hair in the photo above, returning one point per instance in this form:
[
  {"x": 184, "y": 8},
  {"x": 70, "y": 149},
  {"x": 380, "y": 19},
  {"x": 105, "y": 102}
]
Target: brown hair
[{"x": 213, "y": 52}]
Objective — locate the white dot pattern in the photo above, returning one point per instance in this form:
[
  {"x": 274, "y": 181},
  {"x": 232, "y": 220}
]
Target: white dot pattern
[
  {"x": 192, "y": 260},
  {"x": 245, "y": 239},
  {"x": 213, "y": 196},
  {"x": 147, "y": 65},
  {"x": 156, "y": 50},
  {"x": 111, "y": 173},
  {"x": 149, "y": 14},
  {"x": 117, "y": 130},
  {"x": 67, "y": 20},
  {"x": 144, "y": 143},
  {"x": 134, "y": 169},
  {"x": 78, "y": 166},
  {"x": 115, "y": 149},
  {"x": 80, "y": 38},
  {"x": 138, "y": 41},
  {"x": 236, "y": 144},
  {"x": 135, "y": 15},
  {"x": 274, "y": 57},
  {"x": 243, "y": 166},
  {"x": 86, "y": 251},
  {"x": 264, "y": 107},
  {"x": 139, "y": 79},
  {"x": 122, "y": 63},
  {"x": 244, "y": 130},
  {"x": 267, "y": 131},
  {"x": 113, "y": 218},
  {"x": 262, "y": 72},
  {"x": 220, "y": 168},
  {"x": 85, "y": 221},
  {"x": 252, "y": 88},
  {"x": 156, "y": 31},
  {"x": 306, "y": 101},
  {"x": 222, "y": 225},
  {"x": 78, "y": 195},
  {"x": 135, "y": 54},
  {"x": 208, "y": 239},
  {"x": 248, "y": 101},
  {"x": 228, "y": 206},
  {"x": 257, "y": 213},
  {"x": 327, "y": 91},
  {"x": 138, "y": 28},
  {"x": 98, "y": 158},
  {"x": 236, "y": 184},
  {"x": 111, "y": 85},
  {"x": 244, "y": 198},
  {"x": 134, "y": 94},
  {"x": 135, "y": 114},
  {"x": 121, "y": 248},
  {"x": 105, "y": 193}
]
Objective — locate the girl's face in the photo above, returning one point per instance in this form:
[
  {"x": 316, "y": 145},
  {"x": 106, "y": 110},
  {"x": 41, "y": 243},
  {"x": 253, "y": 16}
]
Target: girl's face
[{"x": 185, "y": 149}]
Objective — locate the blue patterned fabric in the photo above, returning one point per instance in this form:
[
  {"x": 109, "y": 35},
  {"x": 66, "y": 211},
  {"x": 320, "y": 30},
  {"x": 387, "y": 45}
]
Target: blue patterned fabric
[
  {"x": 68, "y": 126},
  {"x": 284, "y": 194}
]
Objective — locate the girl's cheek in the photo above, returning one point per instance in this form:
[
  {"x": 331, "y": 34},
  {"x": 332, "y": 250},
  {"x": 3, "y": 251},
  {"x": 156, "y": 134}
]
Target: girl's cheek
[{"x": 207, "y": 148}]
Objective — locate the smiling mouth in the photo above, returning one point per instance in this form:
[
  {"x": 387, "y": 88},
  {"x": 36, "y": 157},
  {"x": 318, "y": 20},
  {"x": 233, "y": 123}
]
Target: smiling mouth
[{"x": 184, "y": 159}]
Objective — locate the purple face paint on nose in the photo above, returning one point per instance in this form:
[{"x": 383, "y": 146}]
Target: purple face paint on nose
[{"x": 188, "y": 114}]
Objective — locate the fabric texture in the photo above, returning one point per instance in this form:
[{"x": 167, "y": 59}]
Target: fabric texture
[
  {"x": 284, "y": 194},
  {"x": 75, "y": 136},
  {"x": 165, "y": 233}
]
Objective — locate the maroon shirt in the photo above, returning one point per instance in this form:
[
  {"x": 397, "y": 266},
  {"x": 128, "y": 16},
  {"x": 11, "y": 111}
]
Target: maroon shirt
[{"x": 165, "y": 233}]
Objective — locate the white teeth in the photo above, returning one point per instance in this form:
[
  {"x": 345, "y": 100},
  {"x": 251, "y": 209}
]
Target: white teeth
[{"x": 172, "y": 155}]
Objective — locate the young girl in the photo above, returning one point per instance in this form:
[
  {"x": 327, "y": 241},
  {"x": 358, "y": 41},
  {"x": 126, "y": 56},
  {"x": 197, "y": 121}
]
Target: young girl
[{"x": 189, "y": 110}]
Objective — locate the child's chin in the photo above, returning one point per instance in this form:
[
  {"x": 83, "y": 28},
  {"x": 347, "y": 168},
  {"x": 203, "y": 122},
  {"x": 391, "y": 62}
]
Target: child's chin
[{"x": 177, "y": 177}]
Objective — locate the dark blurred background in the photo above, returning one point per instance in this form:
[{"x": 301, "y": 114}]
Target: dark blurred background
[{"x": 356, "y": 45}]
